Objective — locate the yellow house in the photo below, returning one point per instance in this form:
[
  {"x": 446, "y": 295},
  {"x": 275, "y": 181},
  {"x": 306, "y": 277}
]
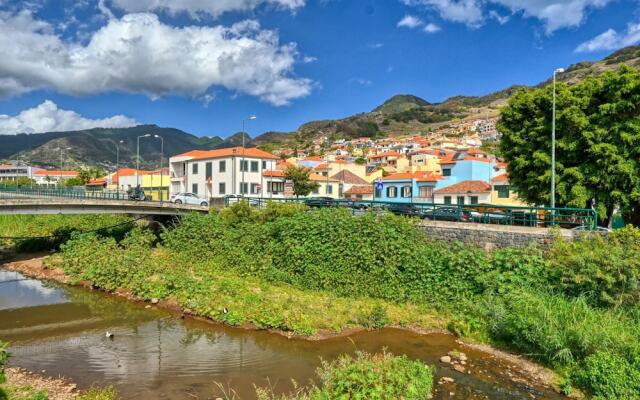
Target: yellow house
[
  {"x": 155, "y": 184},
  {"x": 329, "y": 187},
  {"x": 426, "y": 163},
  {"x": 503, "y": 193}
]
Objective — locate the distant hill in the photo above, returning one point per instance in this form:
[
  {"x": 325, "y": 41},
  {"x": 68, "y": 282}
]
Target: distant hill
[
  {"x": 400, "y": 103},
  {"x": 98, "y": 146}
]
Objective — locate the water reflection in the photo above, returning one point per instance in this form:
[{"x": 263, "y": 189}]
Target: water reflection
[
  {"x": 156, "y": 355},
  {"x": 17, "y": 292}
]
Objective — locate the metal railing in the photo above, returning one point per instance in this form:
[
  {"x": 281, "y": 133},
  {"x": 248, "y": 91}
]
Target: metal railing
[
  {"x": 13, "y": 191},
  {"x": 531, "y": 216}
]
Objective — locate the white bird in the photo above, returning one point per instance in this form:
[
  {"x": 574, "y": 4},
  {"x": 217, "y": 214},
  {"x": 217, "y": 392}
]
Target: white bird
[
  {"x": 108, "y": 334},
  {"x": 224, "y": 310}
]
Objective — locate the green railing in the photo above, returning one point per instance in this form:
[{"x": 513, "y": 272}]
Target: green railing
[
  {"x": 12, "y": 191},
  {"x": 472, "y": 213}
]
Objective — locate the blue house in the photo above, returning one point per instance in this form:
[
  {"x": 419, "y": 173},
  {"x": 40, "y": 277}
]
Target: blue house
[
  {"x": 466, "y": 169},
  {"x": 407, "y": 187}
]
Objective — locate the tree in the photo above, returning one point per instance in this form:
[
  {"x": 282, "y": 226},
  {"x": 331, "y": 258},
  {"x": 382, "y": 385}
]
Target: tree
[
  {"x": 302, "y": 183},
  {"x": 361, "y": 161},
  {"x": 597, "y": 143}
]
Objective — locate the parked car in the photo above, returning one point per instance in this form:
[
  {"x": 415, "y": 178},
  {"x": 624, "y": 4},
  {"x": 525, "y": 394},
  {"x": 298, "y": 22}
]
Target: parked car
[
  {"x": 321, "y": 202},
  {"x": 406, "y": 209},
  {"x": 137, "y": 194},
  {"x": 189, "y": 198},
  {"x": 448, "y": 214}
]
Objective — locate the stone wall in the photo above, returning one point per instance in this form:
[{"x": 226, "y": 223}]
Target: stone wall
[{"x": 493, "y": 236}]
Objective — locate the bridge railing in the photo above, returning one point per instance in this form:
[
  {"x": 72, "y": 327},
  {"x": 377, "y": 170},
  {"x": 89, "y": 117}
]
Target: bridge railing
[
  {"x": 13, "y": 191},
  {"x": 531, "y": 216}
]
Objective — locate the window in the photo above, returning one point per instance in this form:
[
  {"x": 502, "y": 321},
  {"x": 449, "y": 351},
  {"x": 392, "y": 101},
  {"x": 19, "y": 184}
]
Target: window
[
  {"x": 264, "y": 165},
  {"x": 503, "y": 191},
  {"x": 426, "y": 192},
  {"x": 208, "y": 170},
  {"x": 244, "y": 188},
  {"x": 194, "y": 187},
  {"x": 244, "y": 166},
  {"x": 194, "y": 168},
  {"x": 378, "y": 193},
  {"x": 447, "y": 199},
  {"x": 316, "y": 190},
  {"x": 222, "y": 188},
  {"x": 392, "y": 192},
  {"x": 275, "y": 187},
  {"x": 474, "y": 199},
  {"x": 254, "y": 188},
  {"x": 222, "y": 166},
  {"x": 461, "y": 200},
  {"x": 406, "y": 191},
  {"x": 446, "y": 172},
  {"x": 254, "y": 166},
  {"x": 329, "y": 189}
]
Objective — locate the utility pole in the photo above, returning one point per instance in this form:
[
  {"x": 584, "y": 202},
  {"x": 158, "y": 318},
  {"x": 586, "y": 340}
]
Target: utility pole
[
  {"x": 553, "y": 141},
  {"x": 138, "y": 159}
]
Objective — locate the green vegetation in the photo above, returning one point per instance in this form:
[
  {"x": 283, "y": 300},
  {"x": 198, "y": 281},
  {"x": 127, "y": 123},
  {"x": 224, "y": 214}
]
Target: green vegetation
[
  {"x": 574, "y": 307},
  {"x": 302, "y": 184},
  {"x": 4, "y": 356},
  {"x": 365, "y": 376},
  {"x": 598, "y": 130}
]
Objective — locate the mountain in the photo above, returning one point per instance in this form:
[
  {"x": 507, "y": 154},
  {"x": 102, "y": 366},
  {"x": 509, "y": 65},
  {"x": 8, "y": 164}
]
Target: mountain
[
  {"x": 98, "y": 146},
  {"x": 400, "y": 103}
]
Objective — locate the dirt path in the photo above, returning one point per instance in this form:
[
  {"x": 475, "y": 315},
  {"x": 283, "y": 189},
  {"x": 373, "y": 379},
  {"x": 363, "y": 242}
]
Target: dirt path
[{"x": 56, "y": 389}]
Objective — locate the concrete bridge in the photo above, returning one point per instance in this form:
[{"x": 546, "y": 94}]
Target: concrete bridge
[{"x": 93, "y": 206}]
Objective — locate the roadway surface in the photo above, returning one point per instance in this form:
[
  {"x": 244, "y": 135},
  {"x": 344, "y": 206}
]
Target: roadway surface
[{"x": 53, "y": 205}]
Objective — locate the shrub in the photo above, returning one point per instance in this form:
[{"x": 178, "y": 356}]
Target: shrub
[
  {"x": 609, "y": 377},
  {"x": 4, "y": 357},
  {"x": 604, "y": 269}
]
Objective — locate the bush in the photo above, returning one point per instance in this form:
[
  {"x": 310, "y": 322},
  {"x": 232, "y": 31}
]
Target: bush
[
  {"x": 604, "y": 269},
  {"x": 609, "y": 377},
  {"x": 4, "y": 357}
]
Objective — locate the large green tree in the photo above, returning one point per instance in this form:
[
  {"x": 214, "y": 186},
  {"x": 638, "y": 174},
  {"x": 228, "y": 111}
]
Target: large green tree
[
  {"x": 302, "y": 183},
  {"x": 597, "y": 148}
]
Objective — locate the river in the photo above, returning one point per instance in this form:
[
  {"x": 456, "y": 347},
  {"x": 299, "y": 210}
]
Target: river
[{"x": 156, "y": 354}]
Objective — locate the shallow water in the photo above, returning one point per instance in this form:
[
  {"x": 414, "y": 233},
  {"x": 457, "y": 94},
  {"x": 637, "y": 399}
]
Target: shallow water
[{"x": 154, "y": 354}]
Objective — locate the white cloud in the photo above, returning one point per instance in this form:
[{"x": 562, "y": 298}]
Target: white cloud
[
  {"x": 612, "y": 40},
  {"x": 309, "y": 59},
  {"x": 47, "y": 117},
  {"x": 195, "y": 8},
  {"x": 409, "y": 21},
  {"x": 360, "y": 81},
  {"x": 431, "y": 28},
  {"x": 555, "y": 14},
  {"x": 375, "y": 46},
  {"x": 140, "y": 54},
  {"x": 502, "y": 19}
]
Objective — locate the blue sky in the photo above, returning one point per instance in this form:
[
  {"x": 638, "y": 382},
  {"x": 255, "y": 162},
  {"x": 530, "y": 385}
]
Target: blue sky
[{"x": 203, "y": 65}]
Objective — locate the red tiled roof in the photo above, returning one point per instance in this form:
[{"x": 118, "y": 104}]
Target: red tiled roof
[
  {"x": 387, "y": 154},
  {"x": 418, "y": 176},
  {"x": 349, "y": 177},
  {"x": 237, "y": 151},
  {"x": 359, "y": 190},
  {"x": 55, "y": 172},
  {"x": 313, "y": 158},
  {"x": 276, "y": 173},
  {"x": 97, "y": 182},
  {"x": 504, "y": 178},
  {"x": 465, "y": 187},
  {"x": 316, "y": 177}
]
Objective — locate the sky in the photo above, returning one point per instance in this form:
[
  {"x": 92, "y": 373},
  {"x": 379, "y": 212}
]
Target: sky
[{"x": 205, "y": 65}]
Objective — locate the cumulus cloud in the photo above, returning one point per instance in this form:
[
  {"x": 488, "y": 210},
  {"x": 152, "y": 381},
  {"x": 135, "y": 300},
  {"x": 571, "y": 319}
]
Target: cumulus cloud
[
  {"x": 140, "y": 54},
  {"x": 47, "y": 117},
  {"x": 195, "y": 8},
  {"x": 431, "y": 28},
  {"x": 409, "y": 21},
  {"x": 555, "y": 14},
  {"x": 612, "y": 40}
]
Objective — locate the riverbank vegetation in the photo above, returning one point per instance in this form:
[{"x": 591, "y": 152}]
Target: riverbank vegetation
[{"x": 573, "y": 307}]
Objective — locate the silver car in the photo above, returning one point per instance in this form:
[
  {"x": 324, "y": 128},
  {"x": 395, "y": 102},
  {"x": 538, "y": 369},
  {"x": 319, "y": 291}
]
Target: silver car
[{"x": 189, "y": 198}]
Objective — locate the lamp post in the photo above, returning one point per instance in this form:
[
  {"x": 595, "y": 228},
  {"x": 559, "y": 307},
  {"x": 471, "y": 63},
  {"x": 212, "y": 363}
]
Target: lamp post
[
  {"x": 161, "y": 161},
  {"x": 553, "y": 141},
  {"x": 118, "y": 143},
  {"x": 138, "y": 158},
  {"x": 61, "y": 166},
  {"x": 242, "y": 166}
]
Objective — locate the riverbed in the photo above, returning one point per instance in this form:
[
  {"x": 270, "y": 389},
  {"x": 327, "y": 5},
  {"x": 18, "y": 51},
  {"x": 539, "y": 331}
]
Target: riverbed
[{"x": 157, "y": 354}]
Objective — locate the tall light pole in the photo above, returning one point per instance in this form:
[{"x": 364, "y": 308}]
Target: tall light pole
[
  {"x": 118, "y": 143},
  {"x": 242, "y": 166},
  {"x": 61, "y": 165},
  {"x": 161, "y": 161},
  {"x": 138, "y": 158},
  {"x": 553, "y": 141}
]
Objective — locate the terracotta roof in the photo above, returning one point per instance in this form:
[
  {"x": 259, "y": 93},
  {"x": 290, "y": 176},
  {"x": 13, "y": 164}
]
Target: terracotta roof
[
  {"x": 55, "y": 172},
  {"x": 359, "y": 190},
  {"x": 349, "y": 177},
  {"x": 97, "y": 182},
  {"x": 465, "y": 187},
  {"x": 316, "y": 177},
  {"x": 504, "y": 178},
  {"x": 228, "y": 152},
  {"x": 313, "y": 158},
  {"x": 387, "y": 154},
  {"x": 276, "y": 173},
  {"x": 419, "y": 176}
]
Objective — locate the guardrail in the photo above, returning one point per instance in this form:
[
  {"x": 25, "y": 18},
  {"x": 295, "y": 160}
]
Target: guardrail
[
  {"x": 8, "y": 191},
  {"x": 472, "y": 213}
]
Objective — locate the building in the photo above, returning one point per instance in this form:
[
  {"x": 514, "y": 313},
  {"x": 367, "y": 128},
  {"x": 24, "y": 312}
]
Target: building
[
  {"x": 221, "y": 172},
  {"x": 52, "y": 178},
  {"x": 351, "y": 184},
  {"x": 465, "y": 192},
  {"x": 503, "y": 193},
  {"x": 407, "y": 187},
  {"x": 13, "y": 172}
]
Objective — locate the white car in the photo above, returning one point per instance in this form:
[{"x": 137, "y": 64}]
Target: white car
[{"x": 189, "y": 198}]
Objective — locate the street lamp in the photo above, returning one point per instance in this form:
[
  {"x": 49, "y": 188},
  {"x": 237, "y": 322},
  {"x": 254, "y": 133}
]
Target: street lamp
[
  {"x": 161, "y": 161},
  {"x": 118, "y": 143},
  {"x": 138, "y": 158},
  {"x": 61, "y": 165},
  {"x": 553, "y": 141},
  {"x": 242, "y": 165}
]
